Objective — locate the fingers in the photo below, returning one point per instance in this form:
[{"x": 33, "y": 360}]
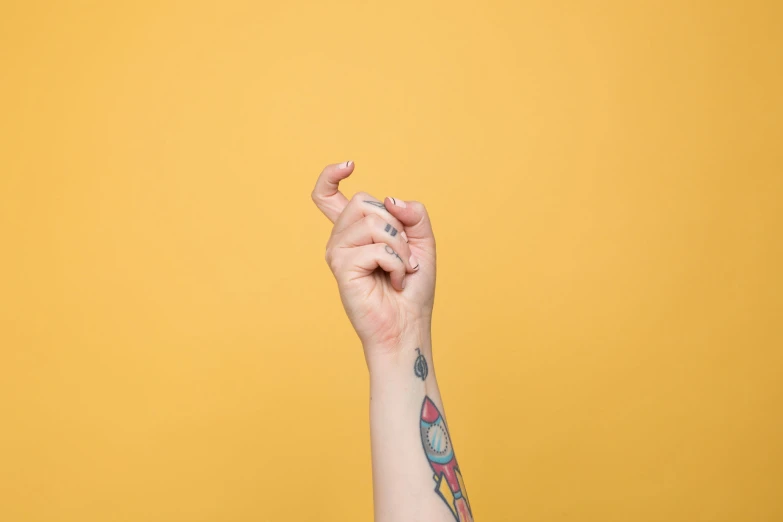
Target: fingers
[
  {"x": 363, "y": 260},
  {"x": 374, "y": 229},
  {"x": 326, "y": 193},
  {"x": 362, "y": 205},
  {"x": 412, "y": 215}
]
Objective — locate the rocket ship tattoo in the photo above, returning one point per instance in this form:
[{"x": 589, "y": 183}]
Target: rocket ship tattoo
[{"x": 449, "y": 484}]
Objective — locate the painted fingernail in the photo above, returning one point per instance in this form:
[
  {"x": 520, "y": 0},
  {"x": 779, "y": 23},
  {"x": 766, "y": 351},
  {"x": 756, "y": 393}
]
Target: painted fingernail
[
  {"x": 404, "y": 280},
  {"x": 397, "y": 202},
  {"x": 404, "y": 236},
  {"x": 346, "y": 164},
  {"x": 414, "y": 263}
]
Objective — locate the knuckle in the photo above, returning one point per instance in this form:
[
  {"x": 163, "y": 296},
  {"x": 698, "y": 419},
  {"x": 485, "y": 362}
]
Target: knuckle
[
  {"x": 331, "y": 253},
  {"x": 335, "y": 263},
  {"x": 421, "y": 211},
  {"x": 373, "y": 220},
  {"x": 418, "y": 207},
  {"x": 359, "y": 197}
]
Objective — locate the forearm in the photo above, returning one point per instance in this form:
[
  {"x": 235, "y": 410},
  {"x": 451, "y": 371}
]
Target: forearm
[
  {"x": 415, "y": 473},
  {"x": 414, "y": 477}
]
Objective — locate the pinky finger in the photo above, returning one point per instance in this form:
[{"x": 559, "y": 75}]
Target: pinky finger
[{"x": 365, "y": 259}]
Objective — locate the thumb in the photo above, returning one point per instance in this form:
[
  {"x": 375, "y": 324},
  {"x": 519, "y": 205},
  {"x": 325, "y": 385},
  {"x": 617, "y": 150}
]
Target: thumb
[{"x": 413, "y": 215}]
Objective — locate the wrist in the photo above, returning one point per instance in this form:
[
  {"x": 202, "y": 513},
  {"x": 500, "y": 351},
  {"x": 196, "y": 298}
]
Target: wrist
[
  {"x": 390, "y": 358},
  {"x": 401, "y": 378}
]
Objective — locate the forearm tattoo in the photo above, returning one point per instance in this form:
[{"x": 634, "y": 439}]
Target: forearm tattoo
[
  {"x": 391, "y": 230},
  {"x": 420, "y": 366},
  {"x": 436, "y": 442},
  {"x": 391, "y": 251}
]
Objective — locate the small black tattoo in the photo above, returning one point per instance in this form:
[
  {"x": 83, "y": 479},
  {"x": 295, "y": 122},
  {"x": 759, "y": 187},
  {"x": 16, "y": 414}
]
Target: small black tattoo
[
  {"x": 391, "y": 251},
  {"x": 391, "y": 230},
  {"x": 376, "y": 204},
  {"x": 420, "y": 366}
]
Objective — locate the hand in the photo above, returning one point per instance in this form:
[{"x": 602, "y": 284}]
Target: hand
[{"x": 393, "y": 305}]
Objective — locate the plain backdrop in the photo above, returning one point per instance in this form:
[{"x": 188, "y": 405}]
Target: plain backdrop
[{"x": 604, "y": 179}]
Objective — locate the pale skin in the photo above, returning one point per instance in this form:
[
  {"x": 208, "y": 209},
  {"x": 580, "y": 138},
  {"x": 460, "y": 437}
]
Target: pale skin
[{"x": 382, "y": 254}]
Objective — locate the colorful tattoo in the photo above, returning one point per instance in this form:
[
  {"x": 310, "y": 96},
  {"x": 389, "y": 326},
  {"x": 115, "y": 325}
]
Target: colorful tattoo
[{"x": 437, "y": 446}]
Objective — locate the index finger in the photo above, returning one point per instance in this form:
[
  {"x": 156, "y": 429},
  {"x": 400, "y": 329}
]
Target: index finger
[{"x": 326, "y": 193}]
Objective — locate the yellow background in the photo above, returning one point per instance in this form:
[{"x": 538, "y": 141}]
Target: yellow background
[{"x": 605, "y": 181}]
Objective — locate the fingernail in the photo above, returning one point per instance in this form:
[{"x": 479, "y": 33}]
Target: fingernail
[
  {"x": 397, "y": 202},
  {"x": 404, "y": 280},
  {"x": 414, "y": 263},
  {"x": 404, "y": 236},
  {"x": 346, "y": 164}
]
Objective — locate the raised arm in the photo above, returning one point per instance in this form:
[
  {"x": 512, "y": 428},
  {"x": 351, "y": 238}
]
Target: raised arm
[{"x": 382, "y": 254}]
